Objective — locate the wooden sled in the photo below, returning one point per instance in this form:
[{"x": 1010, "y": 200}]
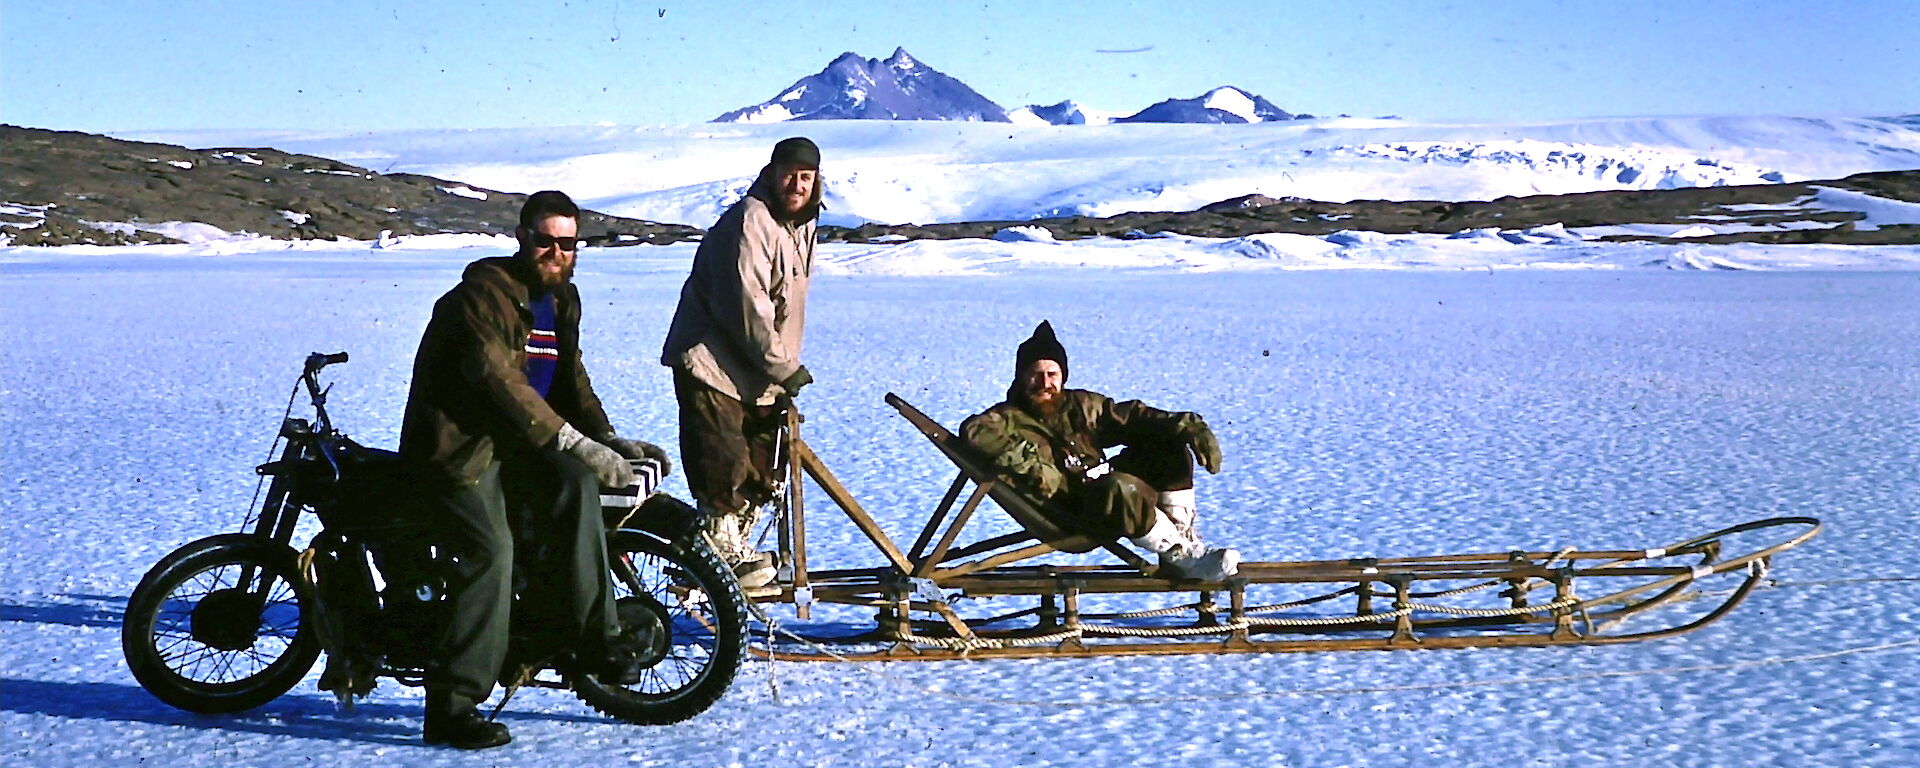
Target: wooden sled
[{"x": 1520, "y": 598}]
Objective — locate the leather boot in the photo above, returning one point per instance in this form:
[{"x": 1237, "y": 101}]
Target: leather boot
[{"x": 456, "y": 722}]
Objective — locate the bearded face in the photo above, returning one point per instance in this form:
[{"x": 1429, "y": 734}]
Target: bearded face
[
  {"x": 550, "y": 249},
  {"x": 1040, "y": 384},
  {"x": 793, "y": 188}
]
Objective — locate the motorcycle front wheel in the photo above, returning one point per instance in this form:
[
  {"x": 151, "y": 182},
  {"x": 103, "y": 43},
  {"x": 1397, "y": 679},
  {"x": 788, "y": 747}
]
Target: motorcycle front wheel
[
  {"x": 698, "y": 622},
  {"x": 221, "y": 625}
]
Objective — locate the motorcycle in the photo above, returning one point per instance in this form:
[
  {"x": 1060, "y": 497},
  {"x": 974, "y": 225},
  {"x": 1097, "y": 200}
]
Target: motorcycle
[{"x": 233, "y": 621}]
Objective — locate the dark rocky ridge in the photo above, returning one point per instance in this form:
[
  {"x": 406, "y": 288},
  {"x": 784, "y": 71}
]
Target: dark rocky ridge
[
  {"x": 77, "y": 178},
  {"x": 80, "y": 178},
  {"x": 1257, "y": 214}
]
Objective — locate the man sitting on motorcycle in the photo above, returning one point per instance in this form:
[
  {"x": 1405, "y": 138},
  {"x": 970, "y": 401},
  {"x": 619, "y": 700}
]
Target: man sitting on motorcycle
[{"x": 504, "y": 421}]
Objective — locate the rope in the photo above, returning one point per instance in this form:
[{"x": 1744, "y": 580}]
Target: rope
[
  {"x": 309, "y": 573},
  {"x": 964, "y": 644},
  {"x": 1364, "y": 618},
  {"x": 773, "y": 680},
  {"x": 1172, "y": 610},
  {"x": 1170, "y": 631},
  {"x": 1564, "y": 602}
]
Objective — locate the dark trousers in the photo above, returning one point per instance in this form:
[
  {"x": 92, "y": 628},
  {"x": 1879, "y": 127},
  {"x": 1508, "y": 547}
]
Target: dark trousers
[
  {"x": 1125, "y": 501},
  {"x": 726, "y": 447},
  {"x": 552, "y": 501}
]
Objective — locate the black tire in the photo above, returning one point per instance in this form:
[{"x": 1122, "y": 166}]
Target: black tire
[
  {"x": 706, "y": 620},
  {"x": 198, "y": 638}
]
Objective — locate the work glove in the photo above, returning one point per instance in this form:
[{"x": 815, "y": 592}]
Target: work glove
[
  {"x": 792, "y": 384},
  {"x": 609, "y": 466},
  {"x": 1206, "y": 447},
  {"x": 1049, "y": 480},
  {"x": 641, "y": 449}
]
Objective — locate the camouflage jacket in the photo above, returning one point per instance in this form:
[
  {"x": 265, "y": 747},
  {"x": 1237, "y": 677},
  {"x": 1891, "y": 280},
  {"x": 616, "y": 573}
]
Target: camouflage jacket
[{"x": 1024, "y": 447}]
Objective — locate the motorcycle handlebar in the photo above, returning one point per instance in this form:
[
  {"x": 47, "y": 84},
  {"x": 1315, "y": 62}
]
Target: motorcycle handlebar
[{"x": 317, "y": 361}]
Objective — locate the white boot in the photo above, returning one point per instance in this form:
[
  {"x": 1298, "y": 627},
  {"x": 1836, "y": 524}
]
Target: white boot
[
  {"x": 1184, "y": 557},
  {"x": 1179, "y": 507}
]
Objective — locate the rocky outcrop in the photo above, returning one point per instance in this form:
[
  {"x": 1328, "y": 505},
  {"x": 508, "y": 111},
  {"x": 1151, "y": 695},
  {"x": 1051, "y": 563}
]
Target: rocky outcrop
[
  {"x": 62, "y": 187},
  {"x": 1757, "y": 205}
]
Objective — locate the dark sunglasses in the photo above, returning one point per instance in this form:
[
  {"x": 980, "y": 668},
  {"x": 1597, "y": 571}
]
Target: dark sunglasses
[{"x": 544, "y": 240}]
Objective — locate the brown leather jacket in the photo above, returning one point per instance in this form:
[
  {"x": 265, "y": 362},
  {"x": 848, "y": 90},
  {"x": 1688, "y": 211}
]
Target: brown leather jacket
[{"x": 470, "y": 389}]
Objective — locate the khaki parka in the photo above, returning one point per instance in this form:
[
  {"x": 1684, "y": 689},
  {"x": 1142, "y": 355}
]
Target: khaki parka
[
  {"x": 743, "y": 308},
  {"x": 470, "y": 391}
]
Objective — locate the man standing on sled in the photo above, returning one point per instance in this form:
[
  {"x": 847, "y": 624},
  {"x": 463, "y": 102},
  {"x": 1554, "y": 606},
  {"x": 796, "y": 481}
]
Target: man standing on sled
[
  {"x": 1049, "y": 441},
  {"x": 734, "y": 347},
  {"x": 506, "y": 427}
]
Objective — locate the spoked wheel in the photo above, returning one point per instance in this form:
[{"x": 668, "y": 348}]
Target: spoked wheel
[
  {"x": 220, "y": 625},
  {"x": 687, "y": 611}
]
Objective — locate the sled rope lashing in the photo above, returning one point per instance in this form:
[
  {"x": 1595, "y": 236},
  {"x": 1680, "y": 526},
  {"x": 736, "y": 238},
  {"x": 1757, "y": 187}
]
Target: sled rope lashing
[
  {"x": 1244, "y": 622},
  {"x": 1440, "y": 601},
  {"x": 1176, "y": 610}
]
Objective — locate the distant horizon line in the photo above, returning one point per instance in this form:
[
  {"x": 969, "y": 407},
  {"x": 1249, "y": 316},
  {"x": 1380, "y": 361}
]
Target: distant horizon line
[{"x": 1254, "y": 126}]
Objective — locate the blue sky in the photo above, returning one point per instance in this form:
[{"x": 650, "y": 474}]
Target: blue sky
[{"x": 213, "y": 64}]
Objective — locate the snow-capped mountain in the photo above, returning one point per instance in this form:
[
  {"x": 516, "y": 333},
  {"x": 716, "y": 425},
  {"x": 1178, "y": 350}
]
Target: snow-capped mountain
[
  {"x": 1064, "y": 113},
  {"x": 1225, "y": 104},
  {"x": 852, "y": 88},
  {"x": 929, "y": 172}
]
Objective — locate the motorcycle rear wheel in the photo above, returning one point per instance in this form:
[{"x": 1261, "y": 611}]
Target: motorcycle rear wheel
[
  {"x": 221, "y": 625},
  {"x": 698, "y": 602}
]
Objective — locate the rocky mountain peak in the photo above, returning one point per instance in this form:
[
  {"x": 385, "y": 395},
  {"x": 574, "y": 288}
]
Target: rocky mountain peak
[{"x": 852, "y": 88}]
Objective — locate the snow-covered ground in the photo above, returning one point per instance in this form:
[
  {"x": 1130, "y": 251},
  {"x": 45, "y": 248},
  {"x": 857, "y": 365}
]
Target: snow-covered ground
[
  {"x": 1440, "y": 399},
  {"x": 926, "y": 172}
]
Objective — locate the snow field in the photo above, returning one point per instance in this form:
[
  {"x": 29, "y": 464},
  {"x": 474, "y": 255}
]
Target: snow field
[
  {"x": 1395, "y": 411},
  {"x": 926, "y": 172}
]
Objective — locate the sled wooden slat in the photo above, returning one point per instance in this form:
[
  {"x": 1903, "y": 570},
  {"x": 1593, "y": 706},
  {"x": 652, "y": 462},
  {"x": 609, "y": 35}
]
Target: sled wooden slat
[
  {"x": 939, "y": 553},
  {"x": 988, "y": 545},
  {"x": 1515, "y": 598},
  {"x": 939, "y": 516},
  {"x": 794, "y": 523}
]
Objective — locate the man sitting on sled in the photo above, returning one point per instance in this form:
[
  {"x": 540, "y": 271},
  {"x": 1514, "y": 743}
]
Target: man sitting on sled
[{"x": 1048, "y": 441}]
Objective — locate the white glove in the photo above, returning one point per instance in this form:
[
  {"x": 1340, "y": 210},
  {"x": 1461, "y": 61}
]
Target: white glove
[{"x": 607, "y": 465}]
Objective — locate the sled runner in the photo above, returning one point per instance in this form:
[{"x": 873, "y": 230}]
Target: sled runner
[{"x": 1519, "y": 598}]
